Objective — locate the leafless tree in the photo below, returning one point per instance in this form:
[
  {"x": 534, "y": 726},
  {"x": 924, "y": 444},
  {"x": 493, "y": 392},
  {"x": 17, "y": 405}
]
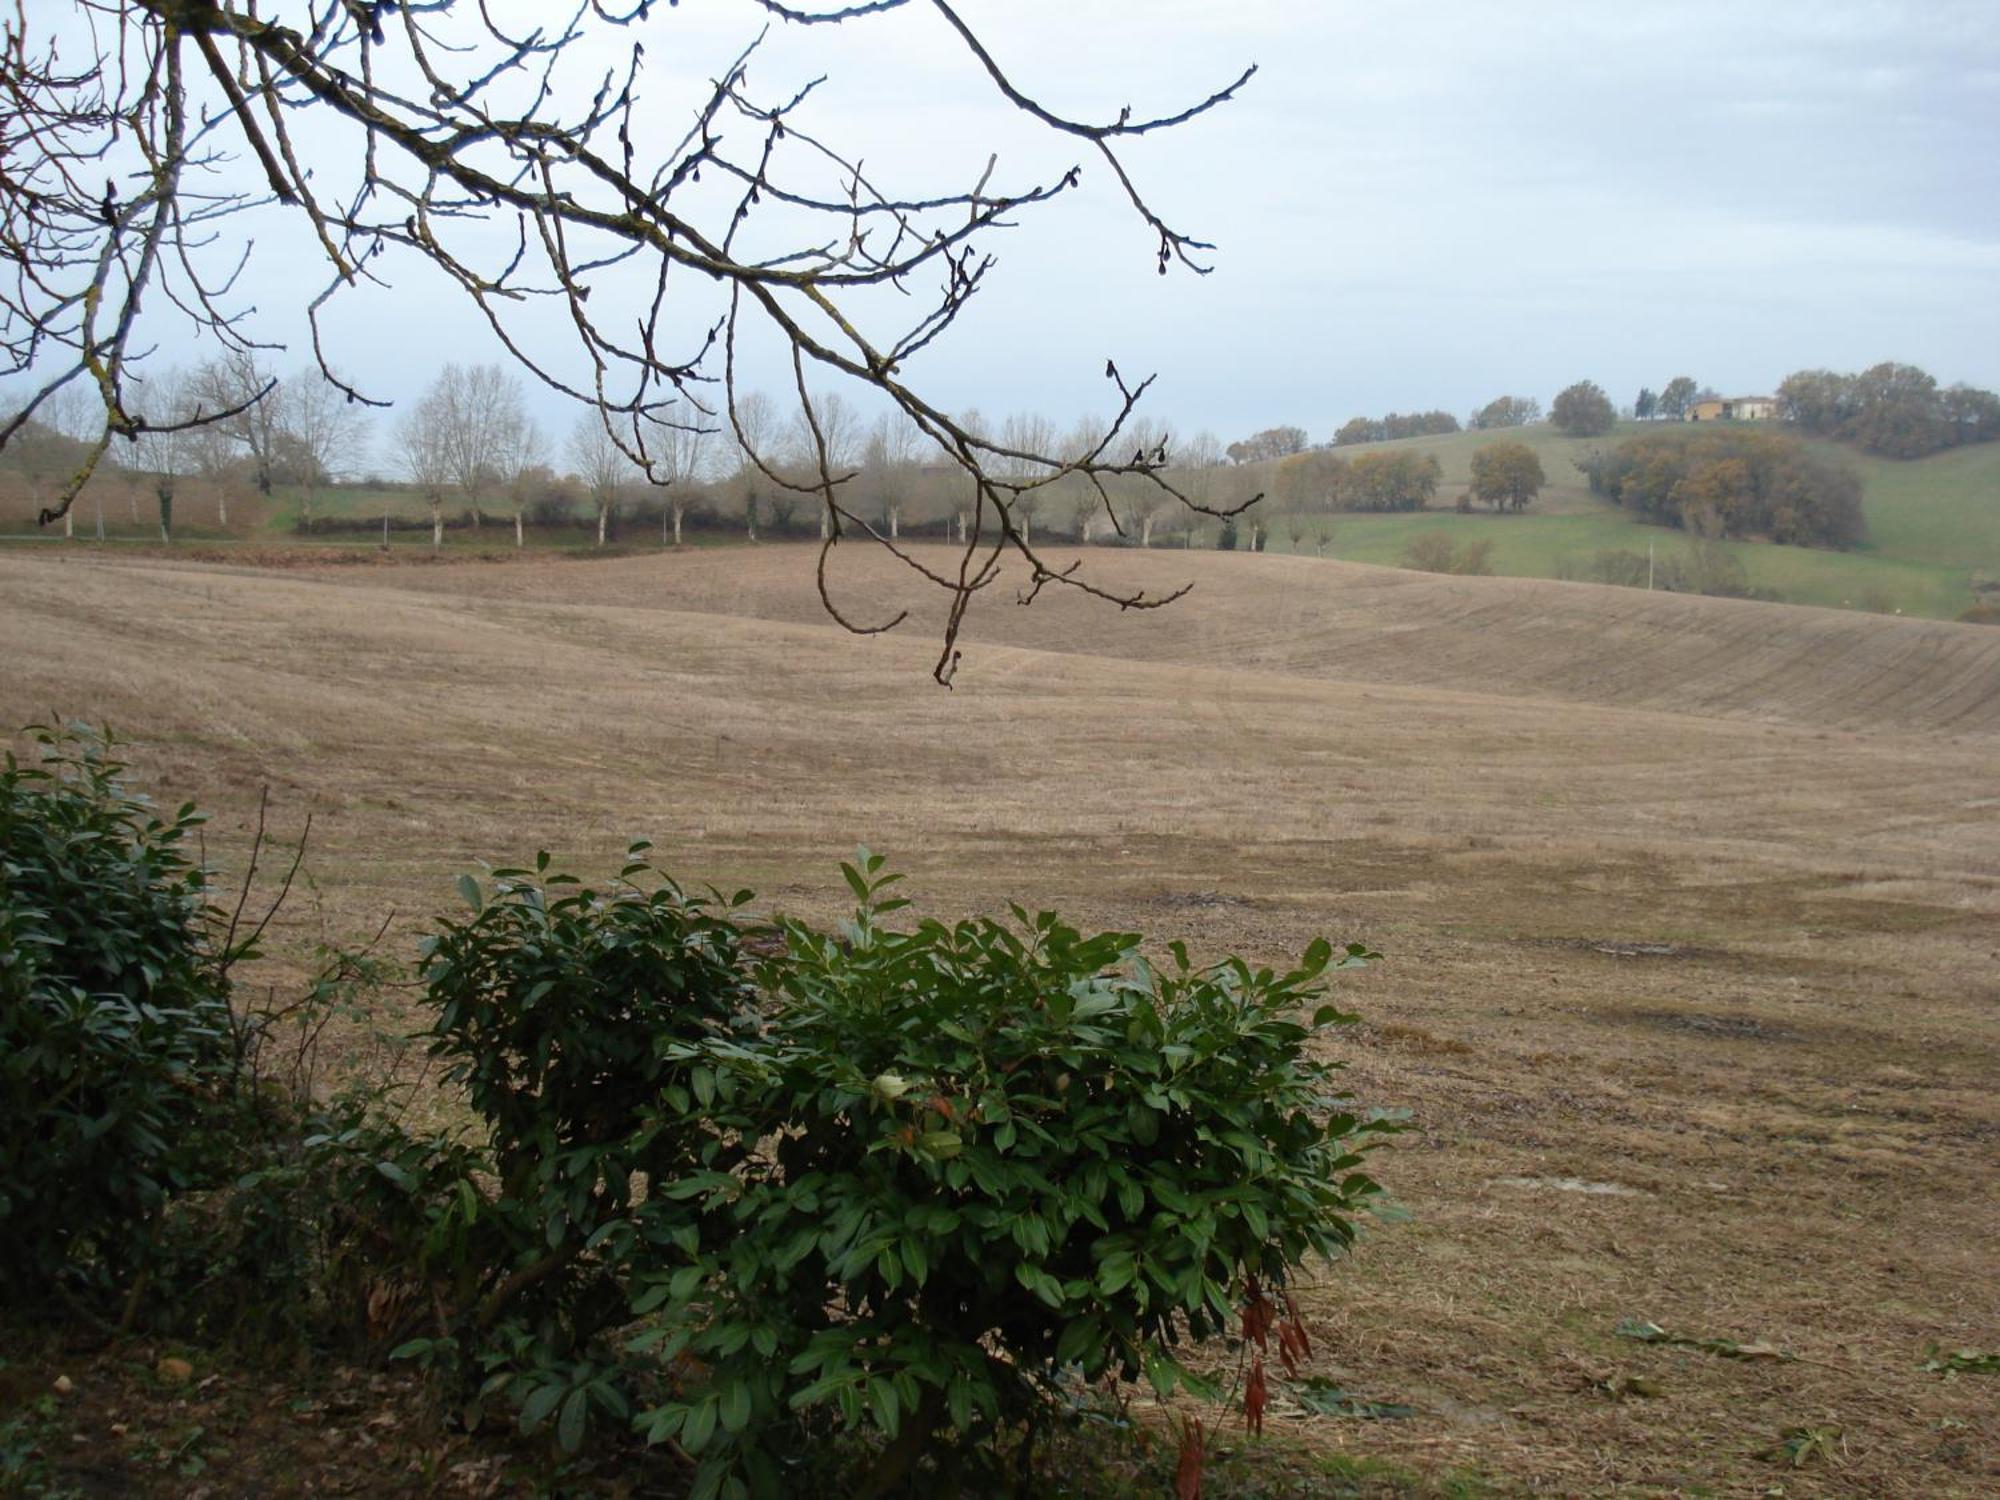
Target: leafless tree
[
  {"x": 44, "y": 450},
  {"x": 601, "y": 463},
  {"x": 325, "y": 430},
  {"x": 821, "y": 450},
  {"x": 680, "y": 453},
  {"x": 1141, "y": 502},
  {"x": 420, "y": 443},
  {"x": 888, "y": 467},
  {"x": 164, "y": 447},
  {"x": 1076, "y": 500},
  {"x": 238, "y": 399},
  {"x": 1021, "y": 435},
  {"x": 479, "y": 414},
  {"x": 434, "y": 123},
  {"x": 754, "y": 417},
  {"x": 521, "y": 465}
]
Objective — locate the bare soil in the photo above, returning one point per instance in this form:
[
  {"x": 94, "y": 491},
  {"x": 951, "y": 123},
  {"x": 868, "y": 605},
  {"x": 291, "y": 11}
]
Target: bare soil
[{"x": 1690, "y": 912}]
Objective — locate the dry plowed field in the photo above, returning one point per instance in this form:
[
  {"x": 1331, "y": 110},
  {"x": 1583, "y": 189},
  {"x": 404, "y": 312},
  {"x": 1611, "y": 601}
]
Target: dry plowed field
[{"x": 1690, "y": 911}]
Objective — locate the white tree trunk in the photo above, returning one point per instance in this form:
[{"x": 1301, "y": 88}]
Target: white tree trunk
[
  {"x": 519, "y": 539},
  {"x": 677, "y": 527},
  {"x": 1146, "y": 531},
  {"x": 895, "y": 519},
  {"x": 825, "y": 519},
  {"x": 603, "y": 518},
  {"x": 961, "y": 528},
  {"x": 437, "y": 524},
  {"x": 100, "y": 518},
  {"x": 222, "y": 508}
]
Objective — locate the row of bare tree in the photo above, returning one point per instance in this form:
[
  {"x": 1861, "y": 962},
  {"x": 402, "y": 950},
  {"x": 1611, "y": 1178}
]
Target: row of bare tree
[{"x": 469, "y": 444}]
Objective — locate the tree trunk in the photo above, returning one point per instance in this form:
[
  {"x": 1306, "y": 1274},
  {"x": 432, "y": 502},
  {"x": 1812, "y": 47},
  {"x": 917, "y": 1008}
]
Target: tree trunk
[
  {"x": 1146, "y": 531},
  {"x": 825, "y": 521},
  {"x": 677, "y": 528},
  {"x": 894, "y": 520},
  {"x": 306, "y": 508},
  {"x": 603, "y": 518},
  {"x": 69, "y": 524},
  {"x": 166, "y": 498},
  {"x": 437, "y": 523},
  {"x": 896, "y": 1461},
  {"x": 222, "y": 508},
  {"x": 519, "y": 540},
  {"x": 100, "y": 518}
]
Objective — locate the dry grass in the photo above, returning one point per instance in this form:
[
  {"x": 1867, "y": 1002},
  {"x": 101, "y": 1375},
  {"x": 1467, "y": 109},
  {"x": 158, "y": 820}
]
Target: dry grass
[{"x": 1696, "y": 898}]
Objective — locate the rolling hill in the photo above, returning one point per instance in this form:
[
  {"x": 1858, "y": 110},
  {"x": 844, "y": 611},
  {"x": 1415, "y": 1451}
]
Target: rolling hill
[{"x": 1934, "y": 525}]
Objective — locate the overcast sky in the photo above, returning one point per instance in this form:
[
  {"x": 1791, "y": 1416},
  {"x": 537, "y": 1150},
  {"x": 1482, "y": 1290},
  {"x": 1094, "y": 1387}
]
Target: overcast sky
[{"x": 1414, "y": 205}]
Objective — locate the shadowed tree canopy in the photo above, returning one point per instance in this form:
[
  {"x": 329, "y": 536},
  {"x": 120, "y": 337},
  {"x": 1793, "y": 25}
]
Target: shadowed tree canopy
[
  {"x": 1735, "y": 484},
  {"x": 1272, "y": 442},
  {"x": 1583, "y": 410},
  {"x": 505, "y": 153},
  {"x": 1677, "y": 397},
  {"x": 1395, "y": 425},
  {"x": 1508, "y": 411},
  {"x": 1507, "y": 475},
  {"x": 1891, "y": 409}
]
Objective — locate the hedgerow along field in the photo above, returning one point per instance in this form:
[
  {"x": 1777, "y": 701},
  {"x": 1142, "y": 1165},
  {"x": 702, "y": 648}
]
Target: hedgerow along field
[
  {"x": 1687, "y": 909},
  {"x": 1934, "y": 524}
]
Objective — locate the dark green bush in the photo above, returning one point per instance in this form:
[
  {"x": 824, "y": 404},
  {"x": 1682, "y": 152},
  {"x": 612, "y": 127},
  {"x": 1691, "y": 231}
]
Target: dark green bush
[
  {"x": 117, "y": 1046},
  {"x": 909, "y": 1181},
  {"x": 995, "y": 1155}
]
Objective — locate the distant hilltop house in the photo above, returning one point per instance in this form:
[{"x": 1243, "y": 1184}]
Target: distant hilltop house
[{"x": 1734, "y": 409}]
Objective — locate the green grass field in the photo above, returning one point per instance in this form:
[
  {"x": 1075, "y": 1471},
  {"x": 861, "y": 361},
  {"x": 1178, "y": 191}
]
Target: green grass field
[{"x": 1934, "y": 526}]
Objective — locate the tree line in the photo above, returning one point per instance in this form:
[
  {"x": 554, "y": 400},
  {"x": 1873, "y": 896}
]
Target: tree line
[
  {"x": 1395, "y": 425},
  {"x": 1897, "y": 411},
  {"x": 469, "y": 448},
  {"x": 1734, "y": 483},
  {"x": 471, "y": 451}
]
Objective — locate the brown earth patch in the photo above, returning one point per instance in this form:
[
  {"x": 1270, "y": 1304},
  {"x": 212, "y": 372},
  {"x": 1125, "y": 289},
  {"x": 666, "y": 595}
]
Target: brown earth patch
[{"x": 1465, "y": 777}]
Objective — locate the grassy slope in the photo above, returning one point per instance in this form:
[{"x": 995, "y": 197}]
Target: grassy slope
[{"x": 1933, "y": 524}]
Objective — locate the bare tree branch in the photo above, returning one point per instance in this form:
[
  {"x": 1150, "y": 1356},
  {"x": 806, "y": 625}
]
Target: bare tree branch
[{"x": 434, "y": 120}]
